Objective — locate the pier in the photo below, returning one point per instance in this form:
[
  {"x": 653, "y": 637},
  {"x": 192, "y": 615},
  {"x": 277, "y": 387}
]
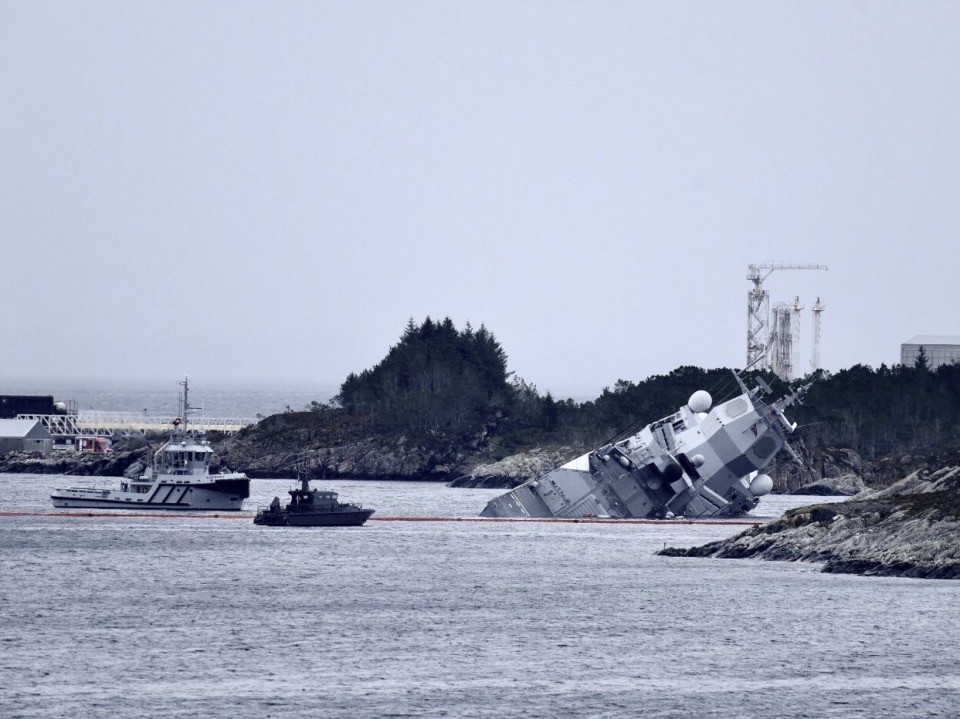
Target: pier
[{"x": 94, "y": 423}]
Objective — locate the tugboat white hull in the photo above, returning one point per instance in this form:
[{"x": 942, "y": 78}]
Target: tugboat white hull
[
  {"x": 179, "y": 479},
  {"x": 213, "y": 494}
]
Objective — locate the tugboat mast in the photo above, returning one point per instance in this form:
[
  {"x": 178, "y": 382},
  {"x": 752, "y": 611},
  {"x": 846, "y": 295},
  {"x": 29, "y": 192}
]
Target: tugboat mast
[{"x": 185, "y": 405}]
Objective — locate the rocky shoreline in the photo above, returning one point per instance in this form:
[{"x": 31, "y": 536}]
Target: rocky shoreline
[
  {"x": 330, "y": 445},
  {"x": 114, "y": 464},
  {"x": 281, "y": 448},
  {"x": 910, "y": 529}
]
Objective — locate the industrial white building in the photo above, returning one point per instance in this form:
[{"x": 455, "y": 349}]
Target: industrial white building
[
  {"x": 24, "y": 435},
  {"x": 939, "y": 349}
]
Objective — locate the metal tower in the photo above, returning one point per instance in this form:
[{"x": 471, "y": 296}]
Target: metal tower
[
  {"x": 758, "y": 310},
  {"x": 795, "y": 328},
  {"x": 817, "y": 308},
  {"x": 781, "y": 341}
]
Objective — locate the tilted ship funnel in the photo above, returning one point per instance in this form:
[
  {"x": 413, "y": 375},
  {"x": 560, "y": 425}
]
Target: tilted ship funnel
[{"x": 699, "y": 462}]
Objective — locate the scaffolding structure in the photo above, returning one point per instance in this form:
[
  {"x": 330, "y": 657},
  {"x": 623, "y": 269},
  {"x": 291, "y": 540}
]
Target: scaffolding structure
[
  {"x": 781, "y": 341},
  {"x": 760, "y": 333}
]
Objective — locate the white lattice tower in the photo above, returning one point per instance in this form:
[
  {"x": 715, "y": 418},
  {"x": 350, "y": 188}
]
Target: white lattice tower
[
  {"x": 781, "y": 342},
  {"x": 818, "y": 307},
  {"x": 758, "y": 311},
  {"x": 795, "y": 309}
]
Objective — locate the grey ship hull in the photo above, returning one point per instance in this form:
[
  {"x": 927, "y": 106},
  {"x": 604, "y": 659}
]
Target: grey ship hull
[
  {"x": 694, "y": 464},
  {"x": 313, "y": 519}
]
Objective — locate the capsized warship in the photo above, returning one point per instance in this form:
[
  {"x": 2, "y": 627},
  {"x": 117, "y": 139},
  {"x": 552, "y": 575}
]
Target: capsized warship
[{"x": 702, "y": 461}]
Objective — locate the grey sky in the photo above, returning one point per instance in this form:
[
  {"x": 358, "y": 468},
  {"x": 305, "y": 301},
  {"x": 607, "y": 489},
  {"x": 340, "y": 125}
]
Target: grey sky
[{"x": 268, "y": 191}]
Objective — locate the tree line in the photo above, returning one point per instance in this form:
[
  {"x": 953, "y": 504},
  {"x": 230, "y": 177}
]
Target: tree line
[
  {"x": 436, "y": 378},
  {"x": 445, "y": 382}
]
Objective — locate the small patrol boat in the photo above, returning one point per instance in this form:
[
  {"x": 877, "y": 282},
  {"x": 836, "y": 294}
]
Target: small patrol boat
[{"x": 312, "y": 508}]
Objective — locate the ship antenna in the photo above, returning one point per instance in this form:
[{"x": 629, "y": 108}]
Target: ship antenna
[{"x": 185, "y": 403}]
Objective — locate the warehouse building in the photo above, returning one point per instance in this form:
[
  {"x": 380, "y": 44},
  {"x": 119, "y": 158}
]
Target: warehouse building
[
  {"x": 939, "y": 349},
  {"x": 24, "y": 435}
]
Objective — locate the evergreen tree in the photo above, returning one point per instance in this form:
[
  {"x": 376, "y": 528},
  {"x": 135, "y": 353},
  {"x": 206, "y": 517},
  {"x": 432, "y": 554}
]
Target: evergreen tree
[
  {"x": 434, "y": 378},
  {"x": 438, "y": 380}
]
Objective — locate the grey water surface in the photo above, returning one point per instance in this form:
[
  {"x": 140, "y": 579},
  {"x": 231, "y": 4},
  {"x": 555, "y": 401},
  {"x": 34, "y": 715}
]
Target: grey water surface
[{"x": 211, "y": 616}]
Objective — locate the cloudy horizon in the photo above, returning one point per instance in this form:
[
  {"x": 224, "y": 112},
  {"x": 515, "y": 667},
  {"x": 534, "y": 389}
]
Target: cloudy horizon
[{"x": 245, "y": 193}]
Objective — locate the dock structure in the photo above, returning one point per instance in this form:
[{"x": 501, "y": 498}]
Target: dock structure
[{"x": 94, "y": 423}]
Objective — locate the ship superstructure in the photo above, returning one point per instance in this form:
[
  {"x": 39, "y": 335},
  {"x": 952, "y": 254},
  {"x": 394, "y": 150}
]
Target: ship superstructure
[{"x": 702, "y": 461}]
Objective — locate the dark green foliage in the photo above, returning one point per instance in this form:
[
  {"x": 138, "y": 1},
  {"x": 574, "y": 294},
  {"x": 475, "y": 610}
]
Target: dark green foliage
[
  {"x": 442, "y": 383},
  {"x": 435, "y": 378},
  {"x": 877, "y": 413},
  {"x": 883, "y": 412},
  {"x": 658, "y": 396},
  {"x": 534, "y": 419}
]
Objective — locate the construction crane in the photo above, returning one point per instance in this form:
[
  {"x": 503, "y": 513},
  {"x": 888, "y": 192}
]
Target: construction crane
[{"x": 758, "y": 310}]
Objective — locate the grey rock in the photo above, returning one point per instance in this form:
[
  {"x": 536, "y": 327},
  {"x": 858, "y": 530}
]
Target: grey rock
[
  {"x": 516, "y": 469},
  {"x": 113, "y": 464},
  {"x": 846, "y": 484},
  {"x": 909, "y": 529}
]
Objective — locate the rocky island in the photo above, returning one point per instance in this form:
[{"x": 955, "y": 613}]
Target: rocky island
[
  {"x": 910, "y": 529},
  {"x": 443, "y": 406}
]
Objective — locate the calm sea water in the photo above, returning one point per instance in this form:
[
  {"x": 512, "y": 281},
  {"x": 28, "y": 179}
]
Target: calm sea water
[
  {"x": 203, "y": 616},
  {"x": 160, "y": 398}
]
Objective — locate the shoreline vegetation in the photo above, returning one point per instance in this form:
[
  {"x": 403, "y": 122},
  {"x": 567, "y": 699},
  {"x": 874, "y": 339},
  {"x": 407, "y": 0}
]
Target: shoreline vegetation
[{"x": 442, "y": 406}]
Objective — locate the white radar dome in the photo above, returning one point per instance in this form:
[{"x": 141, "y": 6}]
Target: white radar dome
[
  {"x": 700, "y": 401},
  {"x": 761, "y": 485},
  {"x": 697, "y": 460}
]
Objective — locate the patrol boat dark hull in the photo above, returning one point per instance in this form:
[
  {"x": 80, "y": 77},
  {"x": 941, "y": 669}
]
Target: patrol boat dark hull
[
  {"x": 313, "y": 519},
  {"x": 312, "y": 508}
]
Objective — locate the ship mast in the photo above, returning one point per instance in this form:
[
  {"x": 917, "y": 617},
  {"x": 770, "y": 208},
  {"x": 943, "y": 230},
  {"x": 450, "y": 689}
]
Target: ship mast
[{"x": 185, "y": 404}]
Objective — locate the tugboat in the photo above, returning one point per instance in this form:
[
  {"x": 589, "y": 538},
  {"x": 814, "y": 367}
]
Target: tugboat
[
  {"x": 179, "y": 479},
  {"x": 312, "y": 508}
]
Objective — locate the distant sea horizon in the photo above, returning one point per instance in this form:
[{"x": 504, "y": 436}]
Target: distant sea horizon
[
  {"x": 218, "y": 398},
  {"x": 236, "y": 399}
]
